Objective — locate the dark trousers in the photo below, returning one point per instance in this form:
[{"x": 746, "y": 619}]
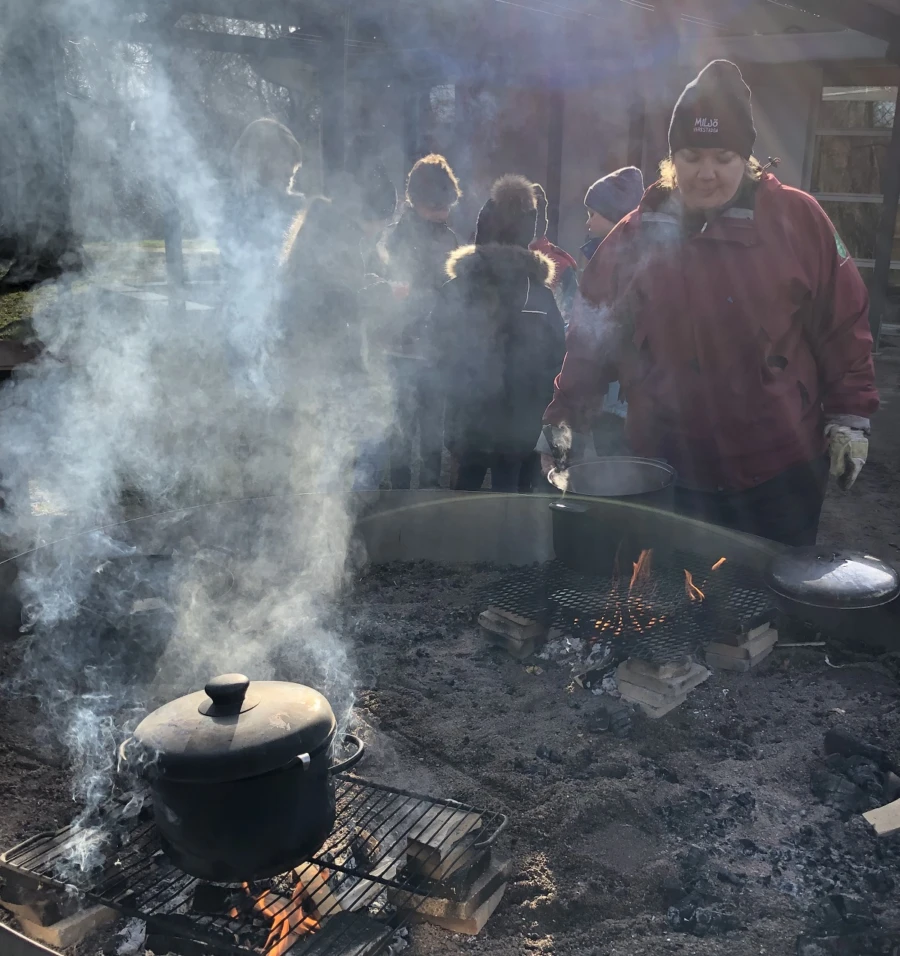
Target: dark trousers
[
  {"x": 608, "y": 433},
  {"x": 785, "y": 509},
  {"x": 471, "y": 469},
  {"x": 419, "y": 405}
]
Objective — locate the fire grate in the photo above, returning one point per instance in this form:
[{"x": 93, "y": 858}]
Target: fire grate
[
  {"x": 655, "y": 621},
  {"x": 346, "y": 906}
]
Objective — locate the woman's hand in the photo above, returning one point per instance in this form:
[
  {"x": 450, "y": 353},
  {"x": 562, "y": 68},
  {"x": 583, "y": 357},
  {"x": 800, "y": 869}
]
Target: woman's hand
[{"x": 848, "y": 449}]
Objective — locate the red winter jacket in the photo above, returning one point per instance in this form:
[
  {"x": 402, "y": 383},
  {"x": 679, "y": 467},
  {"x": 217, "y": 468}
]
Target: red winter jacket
[{"x": 733, "y": 344}]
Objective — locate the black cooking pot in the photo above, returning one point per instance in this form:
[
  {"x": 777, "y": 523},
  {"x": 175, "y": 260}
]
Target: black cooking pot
[
  {"x": 589, "y": 535},
  {"x": 841, "y": 593},
  {"x": 240, "y": 776}
]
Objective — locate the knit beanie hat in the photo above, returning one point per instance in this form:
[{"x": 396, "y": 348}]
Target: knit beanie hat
[
  {"x": 615, "y": 195},
  {"x": 508, "y": 217},
  {"x": 714, "y": 112}
]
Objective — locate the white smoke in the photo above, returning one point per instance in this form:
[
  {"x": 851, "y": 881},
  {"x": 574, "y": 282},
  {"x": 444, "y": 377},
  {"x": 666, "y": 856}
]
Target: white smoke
[{"x": 178, "y": 407}]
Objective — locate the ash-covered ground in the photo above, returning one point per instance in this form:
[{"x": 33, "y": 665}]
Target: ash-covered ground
[
  {"x": 703, "y": 832},
  {"x": 698, "y": 833}
]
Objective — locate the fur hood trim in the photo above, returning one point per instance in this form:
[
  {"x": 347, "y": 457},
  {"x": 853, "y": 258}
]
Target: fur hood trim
[{"x": 500, "y": 263}]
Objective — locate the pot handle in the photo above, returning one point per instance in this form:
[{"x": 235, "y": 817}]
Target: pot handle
[{"x": 353, "y": 759}]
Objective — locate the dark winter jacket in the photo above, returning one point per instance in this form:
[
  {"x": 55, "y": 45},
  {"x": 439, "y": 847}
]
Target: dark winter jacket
[
  {"x": 254, "y": 229},
  {"x": 733, "y": 341},
  {"x": 499, "y": 342},
  {"x": 415, "y": 251}
]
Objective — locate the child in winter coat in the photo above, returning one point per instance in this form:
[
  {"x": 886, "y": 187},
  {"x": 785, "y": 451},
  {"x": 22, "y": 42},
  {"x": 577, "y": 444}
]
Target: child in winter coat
[
  {"x": 415, "y": 253},
  {"x": 610, "y": 199},
  {"x": 499, "y": 341}
]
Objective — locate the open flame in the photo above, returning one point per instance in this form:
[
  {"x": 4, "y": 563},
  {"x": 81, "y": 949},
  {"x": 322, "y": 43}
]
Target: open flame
[
  {"x": 693, "y": 592},
  {"x": 290, "y": 917},
  {"x": 639, "y": 611},
  {"x": 642, "y": 568}
]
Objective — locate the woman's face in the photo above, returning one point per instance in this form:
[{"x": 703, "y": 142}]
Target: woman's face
[{"x": 708, "y": 178}]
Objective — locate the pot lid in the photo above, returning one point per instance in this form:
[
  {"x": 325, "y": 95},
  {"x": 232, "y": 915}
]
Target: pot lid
[
  {"x": 835, "y": 579},
  {"x": 232, "y": 729}
]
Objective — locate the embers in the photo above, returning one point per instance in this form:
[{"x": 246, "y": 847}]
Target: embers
[
  {"x": 287, "y": 916},
  {"x": 335, "y": 904},
  {"x": 649, "y": 601}
]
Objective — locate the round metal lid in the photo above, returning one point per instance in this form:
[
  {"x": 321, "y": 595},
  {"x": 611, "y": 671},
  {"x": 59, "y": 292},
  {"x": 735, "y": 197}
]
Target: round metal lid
[
  {"x": 833, "y": 579},
  {"x": 233, "y": 729}
]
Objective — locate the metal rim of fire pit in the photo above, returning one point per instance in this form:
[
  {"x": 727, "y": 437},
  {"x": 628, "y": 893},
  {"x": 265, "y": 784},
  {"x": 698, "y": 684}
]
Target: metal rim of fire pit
[{"x": 141, "y": 882}]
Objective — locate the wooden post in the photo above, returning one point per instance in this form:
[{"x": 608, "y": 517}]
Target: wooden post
[
  {"x": 884, "y": 237},
  {"x": 557, "y": 105}
]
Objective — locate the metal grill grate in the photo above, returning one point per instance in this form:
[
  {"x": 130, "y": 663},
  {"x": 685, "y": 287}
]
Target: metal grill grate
[
  {"x": 655, "y": 621},
  {"x": 364, "y": 861}
]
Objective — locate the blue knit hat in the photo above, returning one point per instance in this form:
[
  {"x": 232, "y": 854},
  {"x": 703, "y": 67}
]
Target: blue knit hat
[{"x": 615, "y": 195}]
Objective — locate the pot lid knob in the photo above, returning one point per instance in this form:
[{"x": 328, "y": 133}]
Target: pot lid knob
[{"x": 227, "y": 693}]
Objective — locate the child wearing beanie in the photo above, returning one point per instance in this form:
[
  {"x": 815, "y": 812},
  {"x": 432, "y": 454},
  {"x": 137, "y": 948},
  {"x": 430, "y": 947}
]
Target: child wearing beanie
[
  {"x": 415, "y": 252},
  {"x": 610, "y": 199}
]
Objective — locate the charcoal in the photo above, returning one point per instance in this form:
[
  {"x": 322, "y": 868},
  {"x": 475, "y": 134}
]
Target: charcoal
[
  {"x": 695, "y": 857},
  {"x": 839, "y": 914},
  {"x": 874, "y": 943},
  {"x": 213, "y": 899},
  {"x": 840, "y": 742},
  {"x": 865, "y": 774},
  {"x": 734, "y": 878},
  {"x": 838, "y": 792},
  {"x": 879, "y": 881},
  {"x": 548, "y": 753}
]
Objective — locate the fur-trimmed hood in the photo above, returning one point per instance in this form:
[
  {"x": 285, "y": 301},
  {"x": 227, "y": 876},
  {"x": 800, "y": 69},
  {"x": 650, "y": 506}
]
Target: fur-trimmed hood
[{"x": 500, "y": 265}]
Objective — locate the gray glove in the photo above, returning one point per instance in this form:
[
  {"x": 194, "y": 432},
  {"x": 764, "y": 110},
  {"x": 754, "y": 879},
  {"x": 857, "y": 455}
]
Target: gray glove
[
  {"x": 848, "y": 449},
  {"x": 560, "y": 448}
]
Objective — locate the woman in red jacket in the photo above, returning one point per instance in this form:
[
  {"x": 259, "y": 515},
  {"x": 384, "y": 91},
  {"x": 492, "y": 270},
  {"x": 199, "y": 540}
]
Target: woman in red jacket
[{"x": 730, "y": 310}]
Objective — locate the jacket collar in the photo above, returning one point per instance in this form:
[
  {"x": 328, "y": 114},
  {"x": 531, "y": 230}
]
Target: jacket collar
[
  {"x": 498, "y": 264},
  {"x": 411, "y": 222},
  {"x": 661, "y": 210}
]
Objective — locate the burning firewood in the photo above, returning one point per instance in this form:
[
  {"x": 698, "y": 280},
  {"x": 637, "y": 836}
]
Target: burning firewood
[
  {"x": 289, "y": 921},
  {"x": 313, "y": 889}
]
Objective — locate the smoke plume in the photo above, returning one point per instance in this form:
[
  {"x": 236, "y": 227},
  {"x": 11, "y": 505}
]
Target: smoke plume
[{"x": 137, "y": 407}]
